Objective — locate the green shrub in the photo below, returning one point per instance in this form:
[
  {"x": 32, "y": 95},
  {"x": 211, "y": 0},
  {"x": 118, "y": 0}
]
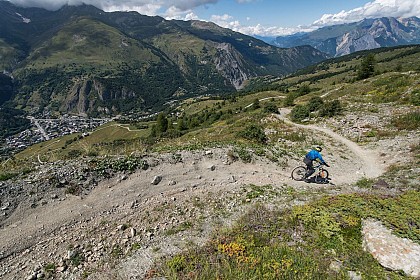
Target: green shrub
[
  {"x": 7, "y": 176},
  {"x": 74, "y": 154},
  {"x": 116, "y": 251},
  {"x": 304, "y": 89},
  {"x": 73, "y": 189},
  {"x": 243, "y": 154},
  {"x": 271, "y": 107},
  {"x": 92, "y": 153},
  {"x": 77, "y": 259},
  {"x": 253, "y": 132},
  {"x": 299, "y": 113},
  {"x": 161, "y": 123},
  {"x": 255, "y": 104},
  {"x": 315, "y": 103},
  {"x": 415, "y": 97},
  {"x": 289, "y": 100},
  {"x": 364, "y": 183},
  {"x": 330, "y": 109}
]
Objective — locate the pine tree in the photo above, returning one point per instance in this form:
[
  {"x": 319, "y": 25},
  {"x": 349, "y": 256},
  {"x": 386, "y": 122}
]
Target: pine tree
[
  {"x": 256, "y": 104},
  {"x": 161, "y": 123},
  {"x": 367, "y": 67}
]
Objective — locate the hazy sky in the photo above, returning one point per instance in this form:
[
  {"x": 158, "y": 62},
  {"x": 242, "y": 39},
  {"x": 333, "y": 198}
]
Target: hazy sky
[{"x": 253, "y": 17}]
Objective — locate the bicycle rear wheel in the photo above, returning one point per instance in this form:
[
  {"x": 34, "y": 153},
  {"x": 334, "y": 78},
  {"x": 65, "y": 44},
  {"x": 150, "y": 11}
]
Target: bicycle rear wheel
[{"x": 298, "y": 173}]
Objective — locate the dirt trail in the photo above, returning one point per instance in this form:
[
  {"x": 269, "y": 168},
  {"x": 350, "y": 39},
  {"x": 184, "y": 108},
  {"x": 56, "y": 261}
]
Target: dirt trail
[
  {"x": 193, "y": 176},
  {"x": 369, "y": 162}
]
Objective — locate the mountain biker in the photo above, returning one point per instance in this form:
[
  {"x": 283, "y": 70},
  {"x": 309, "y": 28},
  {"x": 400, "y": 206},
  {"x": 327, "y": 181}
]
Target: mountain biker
[{"x": 311, "y": 156}]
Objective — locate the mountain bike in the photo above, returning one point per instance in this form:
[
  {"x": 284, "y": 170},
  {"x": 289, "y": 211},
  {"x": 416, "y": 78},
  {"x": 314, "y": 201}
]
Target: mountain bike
[{"x": 321, "y": 174}]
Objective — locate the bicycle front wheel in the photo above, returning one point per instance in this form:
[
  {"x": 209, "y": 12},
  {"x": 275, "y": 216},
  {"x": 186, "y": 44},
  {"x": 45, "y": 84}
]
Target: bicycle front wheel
[
  {"x": 298, "y": 173},
  {"x": 323, "y": 174},
  {"x": 322, "y": 177}
]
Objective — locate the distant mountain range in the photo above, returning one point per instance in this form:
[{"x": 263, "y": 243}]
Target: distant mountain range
[
  {"x": 83, "y": 60},
  {"x": 338, "y": 40}
]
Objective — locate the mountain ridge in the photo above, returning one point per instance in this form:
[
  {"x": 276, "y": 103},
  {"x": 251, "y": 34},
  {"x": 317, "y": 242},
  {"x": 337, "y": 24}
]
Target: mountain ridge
[
  {"x": 338, "y": 40},
  {"x": 137, "y": 62}
]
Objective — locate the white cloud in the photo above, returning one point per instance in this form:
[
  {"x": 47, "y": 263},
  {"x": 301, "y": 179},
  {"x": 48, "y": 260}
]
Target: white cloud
[
  {"x": 228, "y": 21},
  {"x": 175, "y": 13},
  {"x": 191, "y": 16},
  {"x": 183, "y": 5},
  {"x": 145, "y": 9},
  {"x": 272, "y": 31},
  {"x": 149, "y": 6},
  {"x": 222, "y": 19},
  {"x": 375, "y": 9}
]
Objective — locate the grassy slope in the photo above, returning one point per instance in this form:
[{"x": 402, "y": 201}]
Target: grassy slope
[
  {"x": 8, "y": 55},
  {"x": 90, "y": 44}
]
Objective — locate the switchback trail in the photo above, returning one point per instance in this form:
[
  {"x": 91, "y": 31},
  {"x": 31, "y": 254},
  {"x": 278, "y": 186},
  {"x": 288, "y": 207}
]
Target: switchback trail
[{"x": 370, "y": 164}]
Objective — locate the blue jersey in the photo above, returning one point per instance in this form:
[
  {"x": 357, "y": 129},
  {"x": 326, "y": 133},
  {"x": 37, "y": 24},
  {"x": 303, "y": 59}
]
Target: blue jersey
[{"x": 314, "y": 155}]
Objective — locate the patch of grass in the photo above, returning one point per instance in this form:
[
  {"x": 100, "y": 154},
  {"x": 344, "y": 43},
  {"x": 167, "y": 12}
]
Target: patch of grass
[
  {"x": 364, "y": 183},
  {"x": 116, "y": 251},
  {"x": 293, "y": 136},
  {"x": 258, "y": 191},
  {"x": 181, "y": 227},
  {"x": 135, "y": 246},
  {"x": 177, "y": 263},
  {"x": 409, "y": 121},
  {"x": 244, "y": 154},
  {"x": 50, "y": 267},
  {"x": 77, "y": 259},
  {"x": 300, "y": 243},
  {"x": 8, "y": 175},
  {"x": 414, "y": 97}
]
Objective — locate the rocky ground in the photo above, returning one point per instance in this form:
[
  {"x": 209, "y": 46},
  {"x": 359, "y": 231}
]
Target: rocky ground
[{"x": 116, "y": 227}]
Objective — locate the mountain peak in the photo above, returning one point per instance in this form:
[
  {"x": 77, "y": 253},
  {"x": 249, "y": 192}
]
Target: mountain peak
[{"x": 366, "y": 34}]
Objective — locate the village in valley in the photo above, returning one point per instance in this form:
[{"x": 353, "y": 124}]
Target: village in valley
[{"x": 44, "y": 128}]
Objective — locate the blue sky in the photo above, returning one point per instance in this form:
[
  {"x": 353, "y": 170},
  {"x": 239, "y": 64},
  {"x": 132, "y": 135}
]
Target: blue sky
[
  {"x": 280, "y": 13},
  {"x": 253, "y": 17}
]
